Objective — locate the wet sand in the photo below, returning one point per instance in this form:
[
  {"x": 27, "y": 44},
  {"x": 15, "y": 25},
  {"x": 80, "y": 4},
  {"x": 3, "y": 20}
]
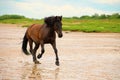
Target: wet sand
[{"x": 83, "y": 56}]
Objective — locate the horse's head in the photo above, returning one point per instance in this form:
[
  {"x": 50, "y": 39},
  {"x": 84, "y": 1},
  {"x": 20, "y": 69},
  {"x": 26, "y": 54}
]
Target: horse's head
[
  {"x": 55, "y": 23},
  {"x": 58, "y": 26}
]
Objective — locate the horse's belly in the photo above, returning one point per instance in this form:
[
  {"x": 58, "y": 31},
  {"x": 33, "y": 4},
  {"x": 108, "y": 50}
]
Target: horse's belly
[{"x": 49, "y": 40}]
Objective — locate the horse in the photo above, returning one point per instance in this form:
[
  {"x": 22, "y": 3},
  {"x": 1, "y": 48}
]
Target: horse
[{"x": 41, "y": 35}]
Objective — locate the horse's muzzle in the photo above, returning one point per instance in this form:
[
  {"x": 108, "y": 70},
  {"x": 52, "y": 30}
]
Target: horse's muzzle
[{"x": 60, "y": 35}]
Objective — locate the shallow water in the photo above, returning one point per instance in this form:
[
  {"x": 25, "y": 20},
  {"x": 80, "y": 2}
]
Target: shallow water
[{"x": 83, "y": 56}]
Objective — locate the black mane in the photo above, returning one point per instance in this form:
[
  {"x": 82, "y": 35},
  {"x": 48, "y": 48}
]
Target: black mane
[{"x": 52, "y": 19}]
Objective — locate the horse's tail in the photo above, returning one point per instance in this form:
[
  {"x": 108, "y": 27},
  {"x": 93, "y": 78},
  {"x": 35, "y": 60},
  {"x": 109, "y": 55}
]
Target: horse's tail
[{"x": 24, "y": 45}]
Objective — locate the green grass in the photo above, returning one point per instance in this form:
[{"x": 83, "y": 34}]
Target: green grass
[
  {"x": 71, "y": 24},
  {"x": 92, "y": 25},
  {"x": 25, "y": 22}
]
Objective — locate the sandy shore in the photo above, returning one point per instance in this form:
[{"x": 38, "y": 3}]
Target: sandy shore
[{"x": 83, "y": 56}]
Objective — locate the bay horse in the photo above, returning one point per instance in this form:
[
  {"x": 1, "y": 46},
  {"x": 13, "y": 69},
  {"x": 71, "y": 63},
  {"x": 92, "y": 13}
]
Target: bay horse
[{"x": 43, "y": 34}]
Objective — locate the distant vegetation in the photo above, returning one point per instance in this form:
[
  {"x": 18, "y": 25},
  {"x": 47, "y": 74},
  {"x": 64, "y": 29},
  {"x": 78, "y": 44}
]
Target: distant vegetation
[
  {"x": 95, "y": 16},
  {"x": 102, "y": 16},
  {"x": 18, "y": 19},
  {"x": 4, "y": 17},
  {"x": 94, "y": 23}
]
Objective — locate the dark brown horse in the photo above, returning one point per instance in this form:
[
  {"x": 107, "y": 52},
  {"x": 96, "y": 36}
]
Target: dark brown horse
[{"x": 42, "y": 34}]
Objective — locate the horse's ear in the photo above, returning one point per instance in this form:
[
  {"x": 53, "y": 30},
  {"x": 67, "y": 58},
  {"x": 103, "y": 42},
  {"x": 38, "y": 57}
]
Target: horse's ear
[
  {"x": 46, "y": 20},
  {"x": 60, "y": 18},
  {"x": 56, "y": 17}
]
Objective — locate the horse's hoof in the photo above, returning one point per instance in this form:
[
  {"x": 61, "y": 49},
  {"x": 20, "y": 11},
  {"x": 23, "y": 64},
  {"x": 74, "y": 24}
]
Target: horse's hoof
[
  {"x": 39, "y": 56},
  {"x": 57, "y": 63},
  {"x": 37, "y": 62}
]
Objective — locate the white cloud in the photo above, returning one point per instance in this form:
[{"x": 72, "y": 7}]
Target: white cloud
[
  {"x": 111, "y": 2},
  {"x": 79, "y": 11},
  {"x": 40, "y": 9}
]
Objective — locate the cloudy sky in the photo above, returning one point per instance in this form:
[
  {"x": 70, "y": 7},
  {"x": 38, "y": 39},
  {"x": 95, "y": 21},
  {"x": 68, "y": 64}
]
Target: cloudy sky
[{"x": 67, "y": 8}]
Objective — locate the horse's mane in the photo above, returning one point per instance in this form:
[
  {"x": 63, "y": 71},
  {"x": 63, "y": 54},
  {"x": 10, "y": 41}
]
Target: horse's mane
[
  {"x": 49, "y": 20},
  {"x": 52, "y": 19}
]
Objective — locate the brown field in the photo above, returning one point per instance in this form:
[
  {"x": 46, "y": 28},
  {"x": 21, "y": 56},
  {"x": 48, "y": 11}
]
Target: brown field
[{"x": 83, "y": 56}]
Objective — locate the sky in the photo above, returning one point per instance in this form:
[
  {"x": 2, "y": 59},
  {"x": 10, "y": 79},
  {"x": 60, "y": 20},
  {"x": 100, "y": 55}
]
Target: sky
[{"x": 67, "y": 8}]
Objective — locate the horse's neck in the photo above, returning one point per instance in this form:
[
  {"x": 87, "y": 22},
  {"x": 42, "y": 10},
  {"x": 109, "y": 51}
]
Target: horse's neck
[
  {"x": 48, "y": 30},
  {"x": 51, "y": 31}
]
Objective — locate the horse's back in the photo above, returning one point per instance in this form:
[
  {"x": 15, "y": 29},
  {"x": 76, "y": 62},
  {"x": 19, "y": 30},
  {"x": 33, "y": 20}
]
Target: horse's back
[
  {"x": 33, "y": 32},
  {"x": 34, "y": 26}
]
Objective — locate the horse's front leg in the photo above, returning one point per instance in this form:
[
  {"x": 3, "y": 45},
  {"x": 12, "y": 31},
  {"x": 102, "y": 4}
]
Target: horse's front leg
[
  {"x": 34, "y": 54},
  {"x": 42, "y": 51},
  {"x": 56, "y": 53}
]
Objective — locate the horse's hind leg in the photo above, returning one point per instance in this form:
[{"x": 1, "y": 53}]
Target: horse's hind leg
[
  {"x": 33, "y": 51},
  {"x": 56, "y": 53},
  {"x": 34, "y": 54},
  {"x": 31, "y": 45},
  {"x": 42, "y": 51}
]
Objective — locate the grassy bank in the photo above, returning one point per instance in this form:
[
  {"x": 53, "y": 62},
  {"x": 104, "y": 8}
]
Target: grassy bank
[{"x": 74, "y": 24}]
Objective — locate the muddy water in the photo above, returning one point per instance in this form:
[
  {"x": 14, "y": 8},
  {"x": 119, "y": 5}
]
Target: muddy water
[{"x": 83, "y": 56}]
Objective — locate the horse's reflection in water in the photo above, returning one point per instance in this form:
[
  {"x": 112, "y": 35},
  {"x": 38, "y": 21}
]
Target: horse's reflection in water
[
  {"x": 56, "y": 73},
  {"x": 36, "y": 74}
]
